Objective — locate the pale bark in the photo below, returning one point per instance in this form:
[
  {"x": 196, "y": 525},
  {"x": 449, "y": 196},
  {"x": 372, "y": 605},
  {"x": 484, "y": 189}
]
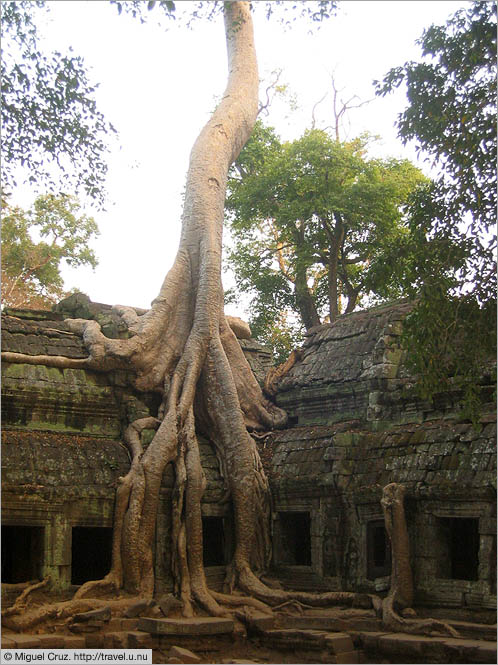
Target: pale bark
[{"x": 400, "y": 596}]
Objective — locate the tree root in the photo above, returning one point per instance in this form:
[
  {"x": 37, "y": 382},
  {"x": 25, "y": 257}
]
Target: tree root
[
  {"x": 22, "y": 601},
  {"x": 250, "y": 584},
  {"x": 391, "y": 620},
  {"x": 289, "y": 605},
  {"x": 62, "y": 610}
]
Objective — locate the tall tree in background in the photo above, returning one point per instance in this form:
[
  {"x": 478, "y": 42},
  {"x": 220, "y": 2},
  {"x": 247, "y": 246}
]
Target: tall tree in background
[
  {"x": 35, "y": 243},
  {"x": 311, "y": 220},
  {"x": 450, "y": 262},
  {"x": 52, "y": 131}
]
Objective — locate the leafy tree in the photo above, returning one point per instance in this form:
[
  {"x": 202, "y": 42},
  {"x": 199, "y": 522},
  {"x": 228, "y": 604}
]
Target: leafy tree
[
  {"x": 36, "y": 242},
  {"x": 451, "y": 116},
  {"x": 51, "y": 127},
  {"x": 311, "y": 220}
]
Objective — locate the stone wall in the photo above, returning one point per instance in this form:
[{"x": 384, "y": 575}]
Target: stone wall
[
  {"x": 359, "y": 425},
  {"x": 62, "y": 452},
  {"x": 355, "y": 425}
]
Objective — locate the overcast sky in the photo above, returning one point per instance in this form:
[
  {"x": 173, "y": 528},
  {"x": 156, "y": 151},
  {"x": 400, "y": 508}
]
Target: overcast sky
[{"x": 158, "y": 87}]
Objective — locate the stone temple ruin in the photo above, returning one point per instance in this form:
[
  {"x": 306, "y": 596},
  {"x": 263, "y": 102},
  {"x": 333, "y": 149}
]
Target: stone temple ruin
[{"x": 355, "y": 425}]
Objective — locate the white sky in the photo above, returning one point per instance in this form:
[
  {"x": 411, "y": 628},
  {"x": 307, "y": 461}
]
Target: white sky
[{"x": 157, "y": 88}]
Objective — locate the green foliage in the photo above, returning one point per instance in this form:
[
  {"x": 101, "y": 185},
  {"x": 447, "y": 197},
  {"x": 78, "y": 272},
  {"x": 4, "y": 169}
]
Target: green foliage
[
  {"x": 35, "y": 242},
  {"x": 451, "y": 115},
  {"x": 51, "y": 127},
  {"x": 313, "y": 10},
  {"x": 311, "y": 222}
]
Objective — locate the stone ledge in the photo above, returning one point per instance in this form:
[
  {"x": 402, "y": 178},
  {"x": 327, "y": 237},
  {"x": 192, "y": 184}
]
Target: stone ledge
[{"x": 195, "y": 626}]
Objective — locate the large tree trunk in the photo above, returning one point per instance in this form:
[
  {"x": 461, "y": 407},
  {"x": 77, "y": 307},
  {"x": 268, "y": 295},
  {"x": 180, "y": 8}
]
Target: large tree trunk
[
  {"x": 397, "y": 611},
  {"x": 304, "y": 299},
  {"x": 184, "y": 349},
  {"x": 336, "y": 238}
]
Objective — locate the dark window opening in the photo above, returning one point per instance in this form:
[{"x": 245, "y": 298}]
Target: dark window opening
[
  {"x": 213, "y": 541},
  {"x": 91, "y": 553},
  {"x": 460, "y": 548},
  {"x": 22, "y": 553},
  {"x": 378, "y": 550},
  {"x": 295, "y": 539}
]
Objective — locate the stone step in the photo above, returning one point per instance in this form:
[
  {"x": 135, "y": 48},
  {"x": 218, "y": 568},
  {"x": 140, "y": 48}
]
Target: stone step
[
  {"x": 474, "y": 631},
  {"x": 403, "y": 647},
  {"x": 126, "y": 639},
  {"x": 50, "y": 641},
  {"x": 292, "y": 639},
  {"x": 194, "y": 626},
  {"x": 333, "y": 623}
]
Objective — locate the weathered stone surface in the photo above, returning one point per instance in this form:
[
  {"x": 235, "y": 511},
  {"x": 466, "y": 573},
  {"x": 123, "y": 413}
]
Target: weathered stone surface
[
  {"x": 195, "y": 626},
  {"x": 258, "y": 620},
  {"x": 139, "y": 608},
  {"x": 74, "y": 642},
  {"x": 339, "y": 643},
  {"x": 94, "y": 641},
  {"x": 26, "y": 641},
  {"x": 294, "y": 638},
  {"x": 184, "y": 655},
  {"x": 169, "y": 603},
  {"x": 52, "y": 641},
  {"x": 347, "y": 657},
  {"x": 100, "y": 614},
  {"x": 62, "y": 462},
  {"x": 140, "y": 640}
]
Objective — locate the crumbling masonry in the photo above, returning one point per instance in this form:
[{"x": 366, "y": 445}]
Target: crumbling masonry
[{"x": 355, "y": 425}]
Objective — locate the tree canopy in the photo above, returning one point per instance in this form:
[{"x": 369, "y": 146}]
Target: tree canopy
[
  {"x": 450, "y": 263},
  {"x": 311, "y": 220},
  {"x": 52, "y": 131},
  {"x": 36, "y": 242}
]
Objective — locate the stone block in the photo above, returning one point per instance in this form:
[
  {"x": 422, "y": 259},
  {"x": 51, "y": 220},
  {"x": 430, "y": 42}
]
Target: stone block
[
  {"x": 115, "y": 624},
  {"x": 140, "y": 640},
  {"x": 90, "y": 627},
  {"x": 194, "y": 626},
  {"x": 26, "y": 641},
  {"x": 94, "y": 641},
  {"x": 52, "y": 641},
  {"x": 370, "y": 640},
  {"x": 339, "y": 643},
  {"x": 184, "y": 655},
  {"x": 139, "y": 608},
  {"x": 169, "y": 603},
  {"x": 128, "y": 624},
  {"x": 259, "y": 620},
  {"x": 7, "y": 643},
  {"x": 100, "y": 614},
  {"x": 471, "y": 651},
  {"x": 74, "y": 642},
  {"x": 347, "y": 657}
]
